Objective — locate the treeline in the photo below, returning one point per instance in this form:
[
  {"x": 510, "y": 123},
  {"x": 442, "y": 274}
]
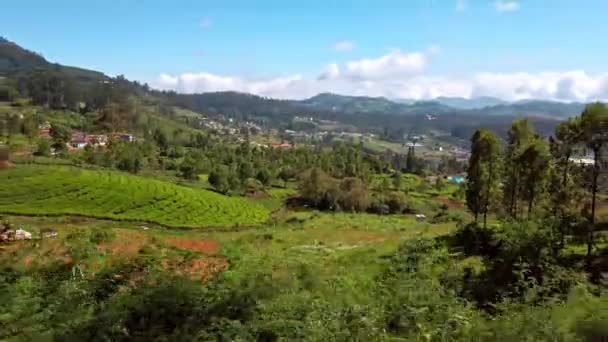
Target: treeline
[{"x": 534, "y": 179}]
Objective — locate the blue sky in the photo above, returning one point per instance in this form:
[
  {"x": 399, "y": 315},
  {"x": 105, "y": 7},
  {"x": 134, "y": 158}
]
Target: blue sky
[{"x": 528, "y": 48}]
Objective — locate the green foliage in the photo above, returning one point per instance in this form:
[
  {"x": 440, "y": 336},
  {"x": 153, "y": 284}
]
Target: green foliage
[
  {"x": 397, "y": 180},
  {"x": 37, "y": 190},
  {"x": 483, "y": 172},
  {"x": 99, "y": 235},
  {"x": 222, "y": 179},
  {"x": 43, "y": 148},
  {"x": 396, "y": 202},
  {"x": 264, "y": 176},
  {"x": 326, "y": 193},
  {"x": 522, "y": 265}
]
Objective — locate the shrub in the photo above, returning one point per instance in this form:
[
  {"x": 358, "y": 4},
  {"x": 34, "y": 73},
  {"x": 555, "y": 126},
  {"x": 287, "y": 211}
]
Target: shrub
[
  {"x": 43, "y": 148},
  {"x": 99, "y": 235},
  {"x": 476, "y": 240},
  {"x": 523, "y": 266},
  {"x": 354, "y": 195},
  {"x": 396, "y": 201}
]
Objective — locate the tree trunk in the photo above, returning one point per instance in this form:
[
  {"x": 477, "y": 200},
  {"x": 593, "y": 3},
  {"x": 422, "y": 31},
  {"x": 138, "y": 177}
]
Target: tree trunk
[
  {"x": 531, "y": 204},
  {"x": 591, "y": 226},
  {"x": 513, "y": 206},
  {"x": 487, "y": 196}
]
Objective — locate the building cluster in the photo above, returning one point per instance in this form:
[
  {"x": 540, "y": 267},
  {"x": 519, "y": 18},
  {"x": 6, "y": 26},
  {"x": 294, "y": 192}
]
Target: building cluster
[{"x": 80, "y": 140}]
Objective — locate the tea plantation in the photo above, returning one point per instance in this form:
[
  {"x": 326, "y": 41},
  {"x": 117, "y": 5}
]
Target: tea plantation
[{"x": 53, "y": 190}]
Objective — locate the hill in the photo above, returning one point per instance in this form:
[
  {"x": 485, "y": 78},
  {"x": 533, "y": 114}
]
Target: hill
[
  {"x": 472, "y": 103},
  {"x": 549, "y": 109},
  {"x": 16, "y": 61},
  {"x": 361, "y": 104},
  {"x": 51, "y": 190}
]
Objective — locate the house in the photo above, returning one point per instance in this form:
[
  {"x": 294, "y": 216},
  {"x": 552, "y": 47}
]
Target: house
[
  {"x": 123, "y": 137},
  {"x": 78, "y": 140},
  {"x": 21, "y": 234},
  {"x": 96, "y": 139}
]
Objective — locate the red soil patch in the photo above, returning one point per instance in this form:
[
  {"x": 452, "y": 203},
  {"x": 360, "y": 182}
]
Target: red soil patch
[
  {"x": 126, "y": 243},
  {"x": 209, "y": 247},
  {"x": 206, "y": 268}
]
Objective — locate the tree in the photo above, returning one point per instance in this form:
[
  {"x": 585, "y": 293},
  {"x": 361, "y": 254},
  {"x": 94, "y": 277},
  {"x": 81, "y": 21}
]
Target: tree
[
  {"x": 519, "y": 136},
  {"x": 264, "y": 176},
  {"x": 320, "y": 189},
  {"x": 594, "y": 129},
  {"x": 534, "y": 161},
  {"x": 161, "y": 140},
  {"x": 60, "y": 135},
  {"x": 219, "y": 179},
  {"x": 411, "y": 164},
  {"x": 354, "y": 195},
  {"x": 567, "y": 136},
  {"x": 245, "y": 170},
  {"x": 190, "y": 167},
  {"x": 483, "y": 173}
]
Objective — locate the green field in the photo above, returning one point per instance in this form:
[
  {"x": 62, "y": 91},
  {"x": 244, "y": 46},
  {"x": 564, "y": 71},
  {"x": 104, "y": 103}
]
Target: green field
[{"x": 52, "y": 190}]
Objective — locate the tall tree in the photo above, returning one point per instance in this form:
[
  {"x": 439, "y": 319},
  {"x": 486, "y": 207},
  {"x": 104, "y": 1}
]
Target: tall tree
[
  {"x": 594, "y": 129},
  {"x": 519, "y": 137},
  {"x": 534, "y": 162},
  {"x": 483, "y": 173},
  {"x": 563, "y": 194}
]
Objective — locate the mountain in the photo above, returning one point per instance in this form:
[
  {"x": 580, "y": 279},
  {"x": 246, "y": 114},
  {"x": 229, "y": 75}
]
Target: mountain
[
  {"x": 540, "y": 108},
  {"x": 343, "y": 103},
  {"x": 472, "y": 103}
]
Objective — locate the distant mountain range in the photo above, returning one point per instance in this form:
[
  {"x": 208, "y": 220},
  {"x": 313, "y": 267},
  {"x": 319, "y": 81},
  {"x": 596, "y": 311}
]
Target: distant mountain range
[{"x": 443, "y": 105}]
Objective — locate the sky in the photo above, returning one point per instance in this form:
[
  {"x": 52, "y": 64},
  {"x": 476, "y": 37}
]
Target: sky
[{"x": 400, "y": 49}]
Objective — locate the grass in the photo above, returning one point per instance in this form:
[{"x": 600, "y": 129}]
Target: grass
[
  {"x": 55, "y": 190},
  {"x": 340, "y": 248}
]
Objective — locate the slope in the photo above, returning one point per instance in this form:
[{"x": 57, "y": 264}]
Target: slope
[{"x": 44, "y": 190}]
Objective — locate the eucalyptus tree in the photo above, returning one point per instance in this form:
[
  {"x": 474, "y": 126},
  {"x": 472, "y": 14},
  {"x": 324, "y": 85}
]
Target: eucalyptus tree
[
  {"x": 594, "y": 133},
  {"x": 483, "y": 173}
]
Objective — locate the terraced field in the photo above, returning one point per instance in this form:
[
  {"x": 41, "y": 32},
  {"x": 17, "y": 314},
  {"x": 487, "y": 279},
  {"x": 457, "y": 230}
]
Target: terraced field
[{"x": 53, "y": 190}]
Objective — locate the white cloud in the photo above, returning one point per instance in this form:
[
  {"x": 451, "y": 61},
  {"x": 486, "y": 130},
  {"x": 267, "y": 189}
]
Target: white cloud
[
  {"x": 205, "y": 23},
  {"x": 396, "y": 64},
  {"x": 401, "y": 75},
  {"x": 461, "y": 5},
  {"x": 561, "y": 86},
  {"x": 345, "y": 45},
  {"x": 331, "y": 72},
  {"x": 506, "y": 5}
]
